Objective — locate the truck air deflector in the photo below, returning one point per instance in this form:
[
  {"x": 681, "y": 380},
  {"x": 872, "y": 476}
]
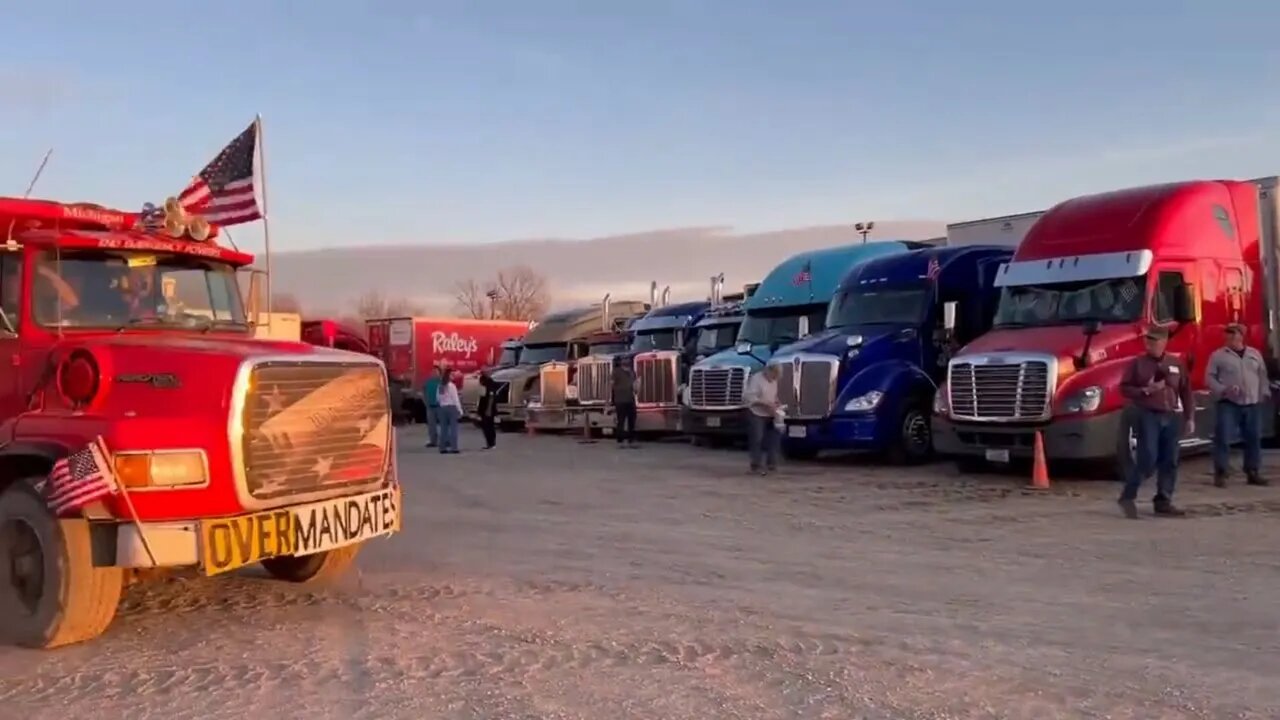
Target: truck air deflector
[{"x": 1076, "y": 268}]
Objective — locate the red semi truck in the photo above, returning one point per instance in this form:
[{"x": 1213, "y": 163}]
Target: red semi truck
[
  {"x": 411, "y": 347},
  {"x": 1090, "y": 274}
]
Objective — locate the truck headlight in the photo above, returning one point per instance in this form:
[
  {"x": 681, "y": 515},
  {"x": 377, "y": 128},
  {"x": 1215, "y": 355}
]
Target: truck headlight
[
  {"x": 866, "y": 402},
  {"x": 941, "y": 406},
  {"x": 684, "y": 395},
  {"x": 571, "y": 392},
  {"x": 1087, "y": 400},
  {"x": 161, "y": 469}
]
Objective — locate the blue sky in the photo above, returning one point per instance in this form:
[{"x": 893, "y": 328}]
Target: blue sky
[{"x": 390, "y": 121}]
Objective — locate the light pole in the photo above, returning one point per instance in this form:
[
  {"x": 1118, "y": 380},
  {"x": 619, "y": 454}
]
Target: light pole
[
  {"x": 865, "y": 229},
  {"x": 493, "y": 303}
]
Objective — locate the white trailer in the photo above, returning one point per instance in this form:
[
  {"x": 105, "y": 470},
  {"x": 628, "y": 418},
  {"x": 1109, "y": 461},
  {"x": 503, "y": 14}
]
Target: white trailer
[{"x": 1007, "y": 230}]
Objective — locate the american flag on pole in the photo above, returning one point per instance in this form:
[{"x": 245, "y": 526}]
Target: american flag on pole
[
  {"x": 934, "y": 269},
  {"x": 225, "y": 190},
  {"x": 804, "y": 276},
  {"x": 80, "y": 479}
]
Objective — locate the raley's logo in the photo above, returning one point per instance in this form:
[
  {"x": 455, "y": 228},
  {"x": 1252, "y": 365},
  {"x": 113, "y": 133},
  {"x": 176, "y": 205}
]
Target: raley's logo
[{"x": 453, "y": 343}]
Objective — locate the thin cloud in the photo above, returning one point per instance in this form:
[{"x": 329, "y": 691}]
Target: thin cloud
[{"x": 33, "y": 89}]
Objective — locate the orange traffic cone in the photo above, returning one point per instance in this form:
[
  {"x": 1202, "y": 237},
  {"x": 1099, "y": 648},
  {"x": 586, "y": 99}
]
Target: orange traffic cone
[{"x": 1040, "y": 468}]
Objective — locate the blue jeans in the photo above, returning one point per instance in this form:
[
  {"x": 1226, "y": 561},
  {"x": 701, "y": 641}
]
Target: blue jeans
[
  {"x": 763, "y": 441},
  {"x": 1228, "y": 420},
  {"x": 448, "y": 418},
  {"x": 433, "y": 425},
  {"x": 1158, "y": 435}
]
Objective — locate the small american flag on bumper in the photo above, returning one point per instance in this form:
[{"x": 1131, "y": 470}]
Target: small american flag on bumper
[{"x": 79, "y": 479}]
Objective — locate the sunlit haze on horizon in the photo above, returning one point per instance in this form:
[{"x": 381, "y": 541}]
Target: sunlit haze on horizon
[{"x": 401, "y": 122}]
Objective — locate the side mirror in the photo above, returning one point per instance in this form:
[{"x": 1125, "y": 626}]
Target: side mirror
[
  {"x": 253, "y": 297},
  {"x": 1184, "y": 310},
  {"x": 949, "y": 315}
]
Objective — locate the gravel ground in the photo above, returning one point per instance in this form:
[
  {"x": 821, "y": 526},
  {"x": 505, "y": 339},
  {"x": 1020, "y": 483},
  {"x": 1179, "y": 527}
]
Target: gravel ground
[{"x": 547, "y": 579}]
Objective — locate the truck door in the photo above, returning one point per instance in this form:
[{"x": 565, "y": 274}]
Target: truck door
[
  {"x": 1185, "y": 340},
  {"x": 12, "y": 399}
]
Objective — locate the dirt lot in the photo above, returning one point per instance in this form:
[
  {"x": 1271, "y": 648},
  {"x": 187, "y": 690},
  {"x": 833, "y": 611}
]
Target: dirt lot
[{"x": 552, "y": 580}]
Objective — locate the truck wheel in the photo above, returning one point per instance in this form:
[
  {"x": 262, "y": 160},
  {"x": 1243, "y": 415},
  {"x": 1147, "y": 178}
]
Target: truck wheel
[
  {"x": 313, "y": 568},
  {"x": 914, "y": 444},
  {"x": 50, "y": 592},
  {"x": 1126, "y": 449}
]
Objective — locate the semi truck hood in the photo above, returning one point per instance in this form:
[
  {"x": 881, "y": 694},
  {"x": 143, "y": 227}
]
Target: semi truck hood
[
  {"x": 518, "y": 372},
  {"x": 877, "y": 341},
  {"x": 732, "y": 358},
  {"x": 1061, "y": 341}
]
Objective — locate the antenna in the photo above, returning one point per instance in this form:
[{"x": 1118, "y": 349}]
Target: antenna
[{"x": 36, "y": 177}]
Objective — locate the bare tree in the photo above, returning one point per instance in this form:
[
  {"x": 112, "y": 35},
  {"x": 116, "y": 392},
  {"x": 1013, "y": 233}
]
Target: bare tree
[
  {"x": 374, "y": 304},
  {"x": 517, "y": 293},
  {"x": 286, "y": 303}
]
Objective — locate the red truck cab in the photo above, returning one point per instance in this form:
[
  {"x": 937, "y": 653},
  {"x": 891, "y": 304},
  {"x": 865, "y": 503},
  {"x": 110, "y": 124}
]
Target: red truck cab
[
  {"x": 127, "y": 332},
  {"x": 1090, "y": 275}
]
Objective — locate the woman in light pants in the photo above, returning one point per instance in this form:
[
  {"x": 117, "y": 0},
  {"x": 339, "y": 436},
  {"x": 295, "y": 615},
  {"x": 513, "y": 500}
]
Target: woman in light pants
[{"x": 450, "y": 414}]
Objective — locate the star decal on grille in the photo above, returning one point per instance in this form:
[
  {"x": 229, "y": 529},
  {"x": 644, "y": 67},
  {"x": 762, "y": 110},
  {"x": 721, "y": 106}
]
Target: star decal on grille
[
  {"x": 322, "y": 467},
  {"x": 274, "y": 400}
]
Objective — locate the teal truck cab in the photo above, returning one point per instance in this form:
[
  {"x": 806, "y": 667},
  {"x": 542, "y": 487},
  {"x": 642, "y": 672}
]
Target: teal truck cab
[{"x": 790, "y": 303}]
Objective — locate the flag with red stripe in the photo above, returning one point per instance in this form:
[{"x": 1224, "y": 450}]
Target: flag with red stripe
[
  {"x": 80, "y": 478},
  {"x": 225, "y": 191}
]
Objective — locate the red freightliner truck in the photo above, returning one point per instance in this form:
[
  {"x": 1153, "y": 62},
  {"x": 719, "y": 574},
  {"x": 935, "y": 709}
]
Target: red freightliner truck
[
  {"x": 126, "y": 333},
  {"x": 412, "y": 347},
  {"x": 1091, "y": 273}
]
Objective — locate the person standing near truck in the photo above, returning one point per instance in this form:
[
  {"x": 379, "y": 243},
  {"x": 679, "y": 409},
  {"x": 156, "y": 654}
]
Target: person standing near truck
[
  {"x": 1237, "y": 377},
  {"x": 488, "y": 410},
  {"x": 624, "y": 403},
  {"x": 761, "y": 396},
  {"x": 431, "y": 399},
  {"x": 450, "y": 413},
  {"x": 1157, "y": 385}
]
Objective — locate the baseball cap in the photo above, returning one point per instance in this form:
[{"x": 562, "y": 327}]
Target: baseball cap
[{"x": 1235, "y": 329}]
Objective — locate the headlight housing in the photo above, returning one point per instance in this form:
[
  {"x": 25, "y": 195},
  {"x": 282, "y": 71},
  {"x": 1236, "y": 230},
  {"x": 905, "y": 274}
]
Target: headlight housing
[
  {"x": 941, "y": 403},
  {"x": 161, "y": 469},
  {"x": 1086, "y": 400},
  {"x": 865, "y": 402},
  {"x": 684, "y": 395}
]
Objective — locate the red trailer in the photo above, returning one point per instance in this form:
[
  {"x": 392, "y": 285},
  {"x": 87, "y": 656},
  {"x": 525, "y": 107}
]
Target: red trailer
[{"x": 412, "y": 346}]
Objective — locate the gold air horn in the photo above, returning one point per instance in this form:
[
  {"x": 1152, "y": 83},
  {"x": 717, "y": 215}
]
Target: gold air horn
[{"x": 178, "y": 222}]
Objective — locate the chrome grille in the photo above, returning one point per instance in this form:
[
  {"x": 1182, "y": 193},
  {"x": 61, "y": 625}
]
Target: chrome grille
[
  {"x": 312, "y": 428},
  {"x": 594, "y": 380},
  {"x": 554, "y": 377},
  {"x": 810, "y": 395},
  {"x": 1017, "y": 390},
  {"x": 656, "y": 379},
  {"x": 715, "y": 388}
]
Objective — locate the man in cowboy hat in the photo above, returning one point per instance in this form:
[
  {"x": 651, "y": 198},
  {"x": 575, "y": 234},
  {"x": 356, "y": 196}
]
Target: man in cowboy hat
[{"x": 1159, "y": 392}]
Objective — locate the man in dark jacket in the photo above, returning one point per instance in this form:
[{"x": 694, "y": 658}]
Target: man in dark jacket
[
  {"x": 488, "y": 411},
  {"x": 624, "y": 402},
  {"x": 1159, "y": 391}
]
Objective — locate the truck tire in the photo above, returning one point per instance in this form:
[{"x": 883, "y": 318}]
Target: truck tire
[
  {"x": 914, "y": 442},
  {"x": 1126, "y": 449},
  {"x": 319, "y": 567},
  {"x": 50, "y": 593}
]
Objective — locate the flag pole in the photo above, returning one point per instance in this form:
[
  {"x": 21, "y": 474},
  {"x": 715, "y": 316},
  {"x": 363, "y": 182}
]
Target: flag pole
[
  {"x": 142, "y": 534},
  {"x": 39, "y": 171},
  {"x": 266, "y": 222}
]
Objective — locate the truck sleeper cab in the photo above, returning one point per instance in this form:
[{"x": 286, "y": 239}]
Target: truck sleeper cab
[
  {"x": 790, "y": 303},
  {"x": 1091, "y": 274},
  {"x": 867, "y": 382},
  {"x": 133, "y": 361}
]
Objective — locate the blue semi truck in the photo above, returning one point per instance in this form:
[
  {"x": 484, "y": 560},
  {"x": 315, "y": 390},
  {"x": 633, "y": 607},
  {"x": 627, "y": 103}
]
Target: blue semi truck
[
  {"x": 867, "y": 382},
  {"x": 789, "y": 304}
]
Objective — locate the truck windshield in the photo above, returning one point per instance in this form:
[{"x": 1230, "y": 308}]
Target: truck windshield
[
  {"x": 657, "y": 340},
  {"x": 539, "y": 354},
  {"x": 714, "y": 338},
  {"x": 95, "y": 288},
  {"x": 1116, "y": 300},
  {"x": 509, "y": 357},
  {"x": 608, "y": 348},
  {"x": 782, "y": 327},
  {"x": 870, "y": 307}
]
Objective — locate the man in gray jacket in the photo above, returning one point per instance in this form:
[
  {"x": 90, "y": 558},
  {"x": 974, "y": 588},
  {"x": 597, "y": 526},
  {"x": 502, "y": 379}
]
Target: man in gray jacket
[{"x": 1237, "y": 377}]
